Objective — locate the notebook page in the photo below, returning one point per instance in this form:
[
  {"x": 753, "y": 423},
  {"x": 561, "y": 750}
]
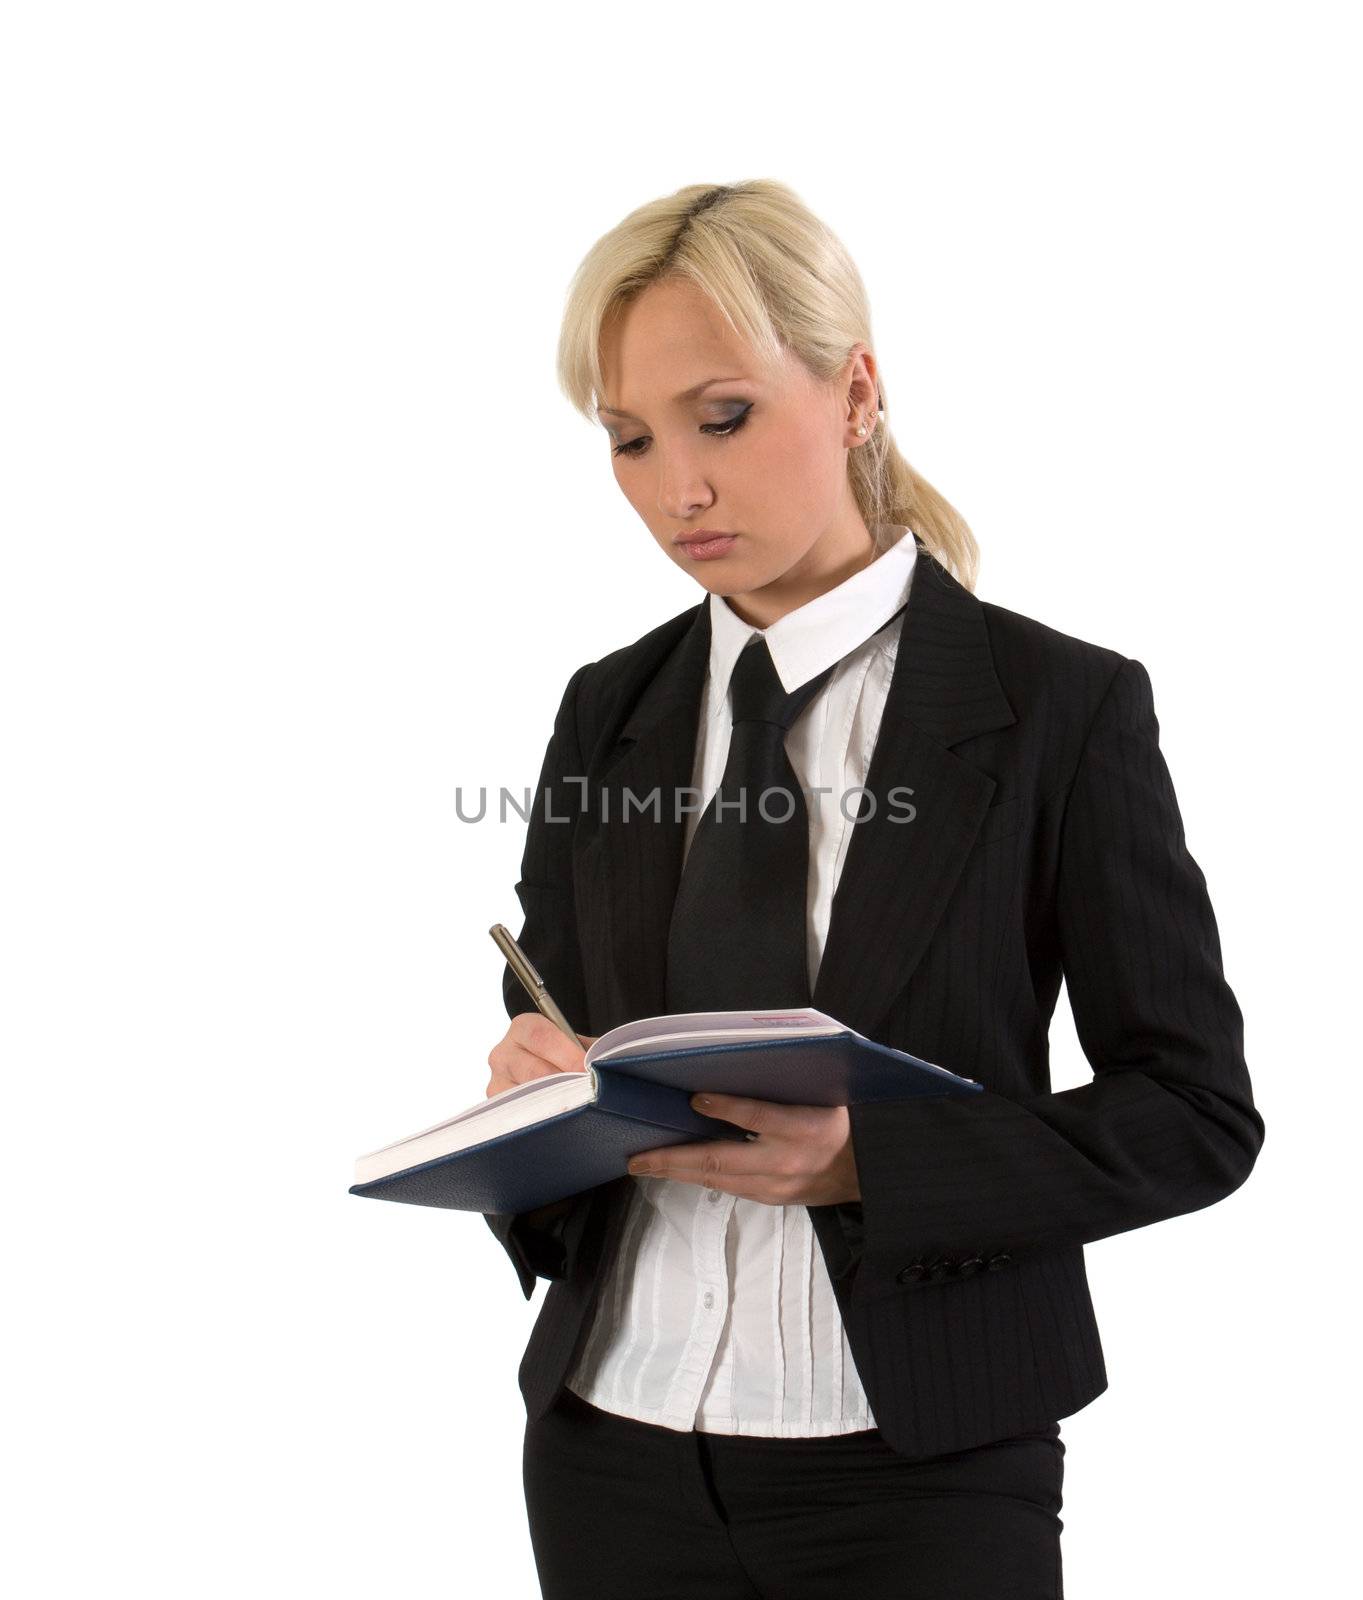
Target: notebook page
[
  {"x": 518, "y": 1107},
  {"x": 690, "y": 1028}
]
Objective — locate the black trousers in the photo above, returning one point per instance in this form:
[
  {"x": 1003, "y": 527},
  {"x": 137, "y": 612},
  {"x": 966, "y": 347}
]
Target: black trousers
[{"x": 623, "y": 1510}]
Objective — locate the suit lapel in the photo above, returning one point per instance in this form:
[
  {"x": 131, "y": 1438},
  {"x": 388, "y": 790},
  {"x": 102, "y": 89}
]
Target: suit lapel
[
  {"x": 639, "y": 859},
  {"x": 898, "y": 875}
]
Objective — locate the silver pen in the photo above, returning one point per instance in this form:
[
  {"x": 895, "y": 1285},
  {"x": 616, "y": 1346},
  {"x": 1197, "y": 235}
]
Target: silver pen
[{"x": 531, "y": 981}]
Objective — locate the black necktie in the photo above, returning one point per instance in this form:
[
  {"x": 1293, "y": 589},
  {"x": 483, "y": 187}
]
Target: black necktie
[{"x": 737, "y": 939}]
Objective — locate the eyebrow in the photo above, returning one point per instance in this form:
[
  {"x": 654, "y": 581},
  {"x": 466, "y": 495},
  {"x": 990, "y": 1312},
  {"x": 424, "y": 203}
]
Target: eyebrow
[{"x": 687, "y": 394}]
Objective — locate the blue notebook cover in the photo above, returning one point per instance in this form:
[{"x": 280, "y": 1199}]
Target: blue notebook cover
[{"x": 642, "y": 1102}]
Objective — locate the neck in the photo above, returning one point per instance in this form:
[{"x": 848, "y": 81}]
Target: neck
[{"x": 824, "y": 566}]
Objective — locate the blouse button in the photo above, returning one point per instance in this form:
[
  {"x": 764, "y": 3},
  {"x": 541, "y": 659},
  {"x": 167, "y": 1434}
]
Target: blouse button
[
  {"x": 712, "y": 1195},
  {"x": 709, "y": 1300}
]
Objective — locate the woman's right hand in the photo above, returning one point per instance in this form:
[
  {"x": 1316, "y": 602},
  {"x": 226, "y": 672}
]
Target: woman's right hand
[{"x": 533, "y": 1047}]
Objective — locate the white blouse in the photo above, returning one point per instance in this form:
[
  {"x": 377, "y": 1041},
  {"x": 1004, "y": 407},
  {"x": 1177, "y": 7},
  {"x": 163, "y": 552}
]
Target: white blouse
[{"x": 718, "y": 1312}]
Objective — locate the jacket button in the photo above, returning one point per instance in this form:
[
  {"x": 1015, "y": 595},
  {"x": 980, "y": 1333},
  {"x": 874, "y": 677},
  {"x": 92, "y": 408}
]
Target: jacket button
[
  {"x": 1001, "y": 1259},
  {"x": 911, "y": 1274},
  {"x": 939, "y": 1269},
  {"x": 970, "y": 1266}
]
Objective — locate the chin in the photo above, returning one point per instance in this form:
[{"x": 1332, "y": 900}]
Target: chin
[{"x": 724, "y": 584}]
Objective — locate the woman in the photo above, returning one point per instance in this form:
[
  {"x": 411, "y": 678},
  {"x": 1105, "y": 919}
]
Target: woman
[{"x": 832, "y": 1359}]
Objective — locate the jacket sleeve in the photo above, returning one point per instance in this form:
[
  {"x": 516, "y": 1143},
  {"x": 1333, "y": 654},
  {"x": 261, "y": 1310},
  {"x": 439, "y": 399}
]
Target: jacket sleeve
[
  {"x": 540, "y": 1242},
  {"x": 1167, "y": 1125}
]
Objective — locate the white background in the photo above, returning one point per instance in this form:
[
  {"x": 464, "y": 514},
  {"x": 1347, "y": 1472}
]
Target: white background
[{"x": 300, "y": 538}]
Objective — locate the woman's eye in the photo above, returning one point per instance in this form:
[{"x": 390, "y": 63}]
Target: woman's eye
[
  {"x": 716, "y": 430},
  {"x": 722, "y": 430}
]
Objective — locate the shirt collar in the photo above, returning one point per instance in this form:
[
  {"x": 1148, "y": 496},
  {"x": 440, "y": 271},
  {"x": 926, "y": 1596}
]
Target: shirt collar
[{"x": 823, "y": 630}]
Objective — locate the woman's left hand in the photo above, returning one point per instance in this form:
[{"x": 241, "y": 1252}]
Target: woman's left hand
[{"x": 802, "y": 1154}]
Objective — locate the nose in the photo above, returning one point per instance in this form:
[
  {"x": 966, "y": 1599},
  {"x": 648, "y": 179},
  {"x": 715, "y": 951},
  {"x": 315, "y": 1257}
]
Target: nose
[{"x": 682, "y": 488}]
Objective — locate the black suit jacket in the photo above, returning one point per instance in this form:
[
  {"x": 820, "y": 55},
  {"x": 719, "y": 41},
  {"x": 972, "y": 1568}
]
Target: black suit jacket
[{"x": 1046, "y": 840}]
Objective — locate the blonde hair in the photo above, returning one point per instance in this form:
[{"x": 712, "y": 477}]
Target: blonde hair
[{"x": 782, "y": 278}]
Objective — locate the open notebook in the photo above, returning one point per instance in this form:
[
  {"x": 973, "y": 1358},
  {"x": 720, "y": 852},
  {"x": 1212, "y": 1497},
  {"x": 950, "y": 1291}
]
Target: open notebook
[{"x": 559, "y": 1135}]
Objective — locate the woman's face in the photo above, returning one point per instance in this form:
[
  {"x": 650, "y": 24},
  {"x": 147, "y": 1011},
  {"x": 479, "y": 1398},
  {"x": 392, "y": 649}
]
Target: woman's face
[{"x": 759, "y": 457}]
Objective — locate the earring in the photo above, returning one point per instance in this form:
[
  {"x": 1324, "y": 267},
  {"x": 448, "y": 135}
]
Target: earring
[{"x": 861, "y": 431}]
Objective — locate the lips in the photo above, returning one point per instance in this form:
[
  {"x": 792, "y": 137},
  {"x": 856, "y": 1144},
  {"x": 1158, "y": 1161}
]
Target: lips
[
  {"x": 701, "y": 535},
  {"x": 707, "y": 547}
]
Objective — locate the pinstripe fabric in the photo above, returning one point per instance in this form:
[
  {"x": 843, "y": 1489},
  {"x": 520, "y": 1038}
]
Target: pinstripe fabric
[{"x": 1046, "y": 844}]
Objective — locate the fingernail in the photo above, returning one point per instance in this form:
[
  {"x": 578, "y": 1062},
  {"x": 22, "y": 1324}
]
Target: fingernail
[{"x": 703, "y": 1100}]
